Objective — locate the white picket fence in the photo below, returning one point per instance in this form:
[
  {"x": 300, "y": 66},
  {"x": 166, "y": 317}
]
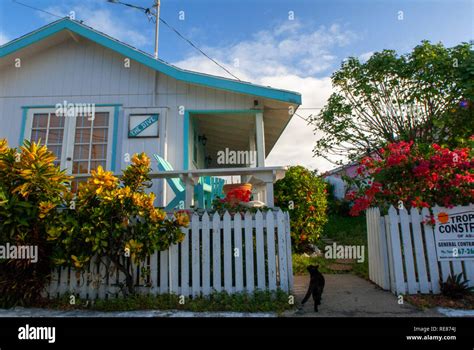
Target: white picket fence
[
  {"x": 402, "y": 253},
  {"x": 231, "y": 254}
]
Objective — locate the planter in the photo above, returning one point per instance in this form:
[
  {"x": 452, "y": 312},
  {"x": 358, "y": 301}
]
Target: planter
[
  {"x": 232, "y": 199},
  {"x": 230, "y": 187}
]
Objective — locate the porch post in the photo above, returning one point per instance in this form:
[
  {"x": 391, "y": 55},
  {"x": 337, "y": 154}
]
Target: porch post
[
  {"x": 260, "y": 137},
  {"x": 269, "y": 193}
]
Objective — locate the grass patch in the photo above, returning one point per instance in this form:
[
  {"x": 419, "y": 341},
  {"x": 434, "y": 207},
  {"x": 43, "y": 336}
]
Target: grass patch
[
  {"x": 259, "y": 301},
  {"x": 301, "y": 262},
  {"x": 344, "y": 231},
  {"x": 347, "y": 230}
]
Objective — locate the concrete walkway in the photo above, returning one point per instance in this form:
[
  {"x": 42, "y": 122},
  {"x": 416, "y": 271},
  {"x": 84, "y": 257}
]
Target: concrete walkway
[{"x": 346, "y": 295}]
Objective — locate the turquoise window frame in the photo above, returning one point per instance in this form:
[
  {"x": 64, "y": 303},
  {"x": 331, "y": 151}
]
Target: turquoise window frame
[{"x": 116, "y": 106}]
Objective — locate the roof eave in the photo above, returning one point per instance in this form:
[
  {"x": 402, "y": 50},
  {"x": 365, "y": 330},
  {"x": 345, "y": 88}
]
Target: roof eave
[{"x": 145, "y": 59}]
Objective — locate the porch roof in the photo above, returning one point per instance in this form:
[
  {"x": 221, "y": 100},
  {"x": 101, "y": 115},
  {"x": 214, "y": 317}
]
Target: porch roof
[{"x": 57, "y": 31}]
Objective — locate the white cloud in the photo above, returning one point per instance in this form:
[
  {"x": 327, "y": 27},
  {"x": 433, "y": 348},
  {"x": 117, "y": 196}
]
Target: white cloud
[
  {"x": 365, "y": 56},
  {"x": 285, "y": 58},
  {"x": 3, "y": 38},
  {"x": 102, "y": 20},
  {"x": 287, "y": 49}
]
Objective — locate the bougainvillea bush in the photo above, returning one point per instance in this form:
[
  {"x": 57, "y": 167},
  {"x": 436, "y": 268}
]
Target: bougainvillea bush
[
  {"x": 415, "y": 175},
  {"x": 304, "y": 195},
  {"x": 116, "y": 221},
  {"x": 31, "y": 187}
]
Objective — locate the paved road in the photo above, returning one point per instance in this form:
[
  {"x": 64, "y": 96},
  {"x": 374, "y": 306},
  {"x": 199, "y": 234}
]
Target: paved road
[{"x": 347, "y": 295}]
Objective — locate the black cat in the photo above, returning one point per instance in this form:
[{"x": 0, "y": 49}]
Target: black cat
[{"x": 316, "y": 286}]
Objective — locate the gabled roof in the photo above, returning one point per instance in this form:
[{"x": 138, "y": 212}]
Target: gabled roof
[{"x": 147, "y": 60}]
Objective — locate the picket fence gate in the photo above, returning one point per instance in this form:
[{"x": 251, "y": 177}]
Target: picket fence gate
[
  {"x": 402, "y": 253},
  {"x": 218, "y": 253}
]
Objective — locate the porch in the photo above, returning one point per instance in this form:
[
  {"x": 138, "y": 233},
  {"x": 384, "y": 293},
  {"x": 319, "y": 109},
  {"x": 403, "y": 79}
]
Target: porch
[{"x": 229, "y": 146}]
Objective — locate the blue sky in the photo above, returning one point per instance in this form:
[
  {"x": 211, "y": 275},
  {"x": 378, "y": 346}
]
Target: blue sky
[{"x": 257, "y": 41}]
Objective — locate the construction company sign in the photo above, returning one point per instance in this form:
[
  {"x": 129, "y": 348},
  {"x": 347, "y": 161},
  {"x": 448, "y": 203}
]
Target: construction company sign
[{"x": 454, "y": 233}]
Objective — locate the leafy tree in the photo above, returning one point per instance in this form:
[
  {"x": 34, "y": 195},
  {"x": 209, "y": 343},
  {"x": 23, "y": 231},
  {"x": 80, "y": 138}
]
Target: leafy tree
[
  {"x": 425, "y": 96},
  {"x": 303, "y": 194}
]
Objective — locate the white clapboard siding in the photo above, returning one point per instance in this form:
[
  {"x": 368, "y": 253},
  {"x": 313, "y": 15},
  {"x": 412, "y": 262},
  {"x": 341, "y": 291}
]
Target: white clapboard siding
[
  {"x": 228, "y": 253},
  {"x": 410, "y": 264}
]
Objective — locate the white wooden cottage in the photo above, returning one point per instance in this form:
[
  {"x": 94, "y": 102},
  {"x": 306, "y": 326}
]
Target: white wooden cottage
[{"x": 140, "y": 104}]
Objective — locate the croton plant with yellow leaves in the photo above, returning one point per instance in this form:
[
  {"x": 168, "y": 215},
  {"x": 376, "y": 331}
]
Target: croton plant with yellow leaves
[
  {"x": 31, "y": 187},
  {"x": 110, "y": 218},
  {"x": 115, "y": 220}
]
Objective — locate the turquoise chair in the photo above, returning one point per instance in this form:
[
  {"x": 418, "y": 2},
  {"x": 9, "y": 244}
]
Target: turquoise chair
[{"x": 203, "y": 190}]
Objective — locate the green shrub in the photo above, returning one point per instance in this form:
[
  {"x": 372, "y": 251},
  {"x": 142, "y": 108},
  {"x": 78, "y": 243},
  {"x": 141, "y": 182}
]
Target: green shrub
[
  {"x": 31, "y": 187},
  {"x": 115, "y": 221},
  {"x": 304, "y": 195},
  {"x": 455, "y": 287}
]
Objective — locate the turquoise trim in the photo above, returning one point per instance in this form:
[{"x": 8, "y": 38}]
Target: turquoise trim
[
  {"x": 23, "y": 126},
  {"x": 204, "y": 111},
  {"x": 186, "y": 141},
  {"x": 226, "y": 111},
  {"x": 114, "y": 140},
  {"x": 148, "y": 60}
]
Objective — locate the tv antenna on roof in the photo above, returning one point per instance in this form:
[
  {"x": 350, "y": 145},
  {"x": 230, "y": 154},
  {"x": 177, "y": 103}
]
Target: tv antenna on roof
[{"x": 154, "y": 11}]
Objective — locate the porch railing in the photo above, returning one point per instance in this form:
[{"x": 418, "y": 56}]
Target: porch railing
[{"x": 262, "y": 179}]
